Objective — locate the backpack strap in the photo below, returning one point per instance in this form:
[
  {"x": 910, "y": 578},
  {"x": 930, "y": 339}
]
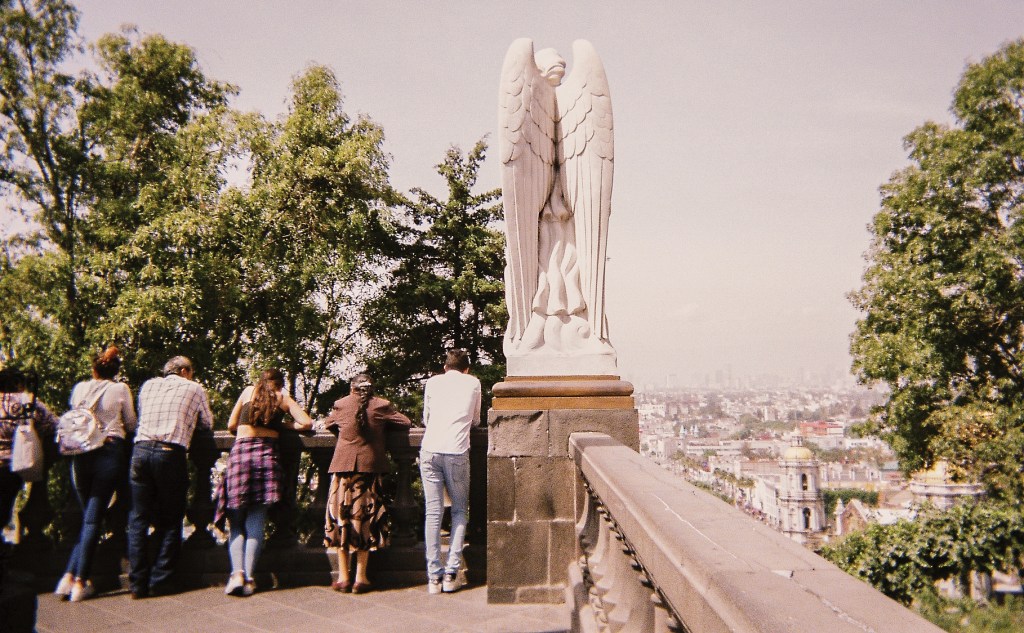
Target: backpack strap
[{"x": 95, "y": 399}]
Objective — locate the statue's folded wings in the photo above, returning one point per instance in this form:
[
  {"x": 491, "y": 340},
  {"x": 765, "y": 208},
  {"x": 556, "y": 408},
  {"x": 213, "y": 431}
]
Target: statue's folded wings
[
  {"x": 585, "y": 153},
  {"x": 527, "y": 150}
]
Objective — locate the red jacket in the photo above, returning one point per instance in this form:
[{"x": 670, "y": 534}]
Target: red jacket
[{"x": 361, "y": 450}]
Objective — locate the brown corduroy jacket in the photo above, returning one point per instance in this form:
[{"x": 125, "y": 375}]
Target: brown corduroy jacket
[{"x": 361, "y": 450}]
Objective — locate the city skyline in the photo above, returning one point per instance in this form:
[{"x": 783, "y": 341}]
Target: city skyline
[{"x": 751, "y": 138}]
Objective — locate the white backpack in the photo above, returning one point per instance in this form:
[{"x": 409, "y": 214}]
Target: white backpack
[{"x": 79, "y": 430}]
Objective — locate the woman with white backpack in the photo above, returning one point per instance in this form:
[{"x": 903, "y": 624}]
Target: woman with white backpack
[{"x": 96, "y": 473}]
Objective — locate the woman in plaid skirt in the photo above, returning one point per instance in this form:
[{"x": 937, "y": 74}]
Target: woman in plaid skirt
[{"x": 252, "y": 482}]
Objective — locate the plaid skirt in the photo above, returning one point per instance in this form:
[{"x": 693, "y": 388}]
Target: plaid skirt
[
  {"x": 356, "y": 517},
  {"x": 253, "y": 477}
]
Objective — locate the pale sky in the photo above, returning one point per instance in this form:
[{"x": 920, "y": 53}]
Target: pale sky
[{"x": 751, "y": 137}]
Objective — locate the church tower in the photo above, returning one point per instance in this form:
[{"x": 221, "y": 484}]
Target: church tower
[{"x": 802, "y": 511}]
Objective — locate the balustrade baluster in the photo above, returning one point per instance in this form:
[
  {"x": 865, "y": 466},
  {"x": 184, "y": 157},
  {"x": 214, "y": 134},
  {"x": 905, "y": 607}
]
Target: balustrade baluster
[
  {"x": 36, "y": 514},
  {"x": 321, "y": 451},
  {"x": 203, "y": 453},
  {"x": 405, "y": 514},
  {"x": 284, "y": 514},
  {"x": 616, "y": 584},
  {"x": 117, "y": 519},
  {"x": 476, "y": 530},
  {"x": 588, "y": 526}
]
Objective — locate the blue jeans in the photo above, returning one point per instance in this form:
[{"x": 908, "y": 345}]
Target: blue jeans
[
  {"x": 440, "y": 471},
  {"x": 246, "y": 538},
  {"x": 159, "y": 481},
  {"x": 94, "y": 475}
]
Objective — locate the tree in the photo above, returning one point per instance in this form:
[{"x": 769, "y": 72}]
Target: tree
[
  {"x": 101, "y": 165},
  {"x": 943, "y": 293},
  {"x": 43, "y": 155},
  {"x": 906, "y": 559},
  {"x": 313, "y": 231},
  {"x": 446, "y": 290}
]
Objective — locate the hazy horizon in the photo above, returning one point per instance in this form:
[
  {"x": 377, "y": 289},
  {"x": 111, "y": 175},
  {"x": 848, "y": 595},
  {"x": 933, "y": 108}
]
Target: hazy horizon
[{"x": 751, "y": 137}]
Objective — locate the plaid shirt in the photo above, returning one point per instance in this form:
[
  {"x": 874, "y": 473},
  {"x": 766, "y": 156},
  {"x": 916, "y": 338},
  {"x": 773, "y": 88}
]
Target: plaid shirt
[{"x": 170, "y": 409}]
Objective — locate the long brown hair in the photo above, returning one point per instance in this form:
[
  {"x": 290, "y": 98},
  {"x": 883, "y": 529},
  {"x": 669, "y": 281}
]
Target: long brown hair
[{"x": 264, "y": 403}]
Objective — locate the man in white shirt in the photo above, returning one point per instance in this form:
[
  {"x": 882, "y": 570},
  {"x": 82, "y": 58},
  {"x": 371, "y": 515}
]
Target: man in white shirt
[
  {"x": 170, "y": 409},
  {"x": 451, "y": 404}
]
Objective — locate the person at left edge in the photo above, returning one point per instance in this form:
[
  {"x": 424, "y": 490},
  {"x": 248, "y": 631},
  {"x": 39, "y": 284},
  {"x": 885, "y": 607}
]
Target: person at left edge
[
  {"x": 171, "y": 407},
  {"x": 15, "y": 408}
]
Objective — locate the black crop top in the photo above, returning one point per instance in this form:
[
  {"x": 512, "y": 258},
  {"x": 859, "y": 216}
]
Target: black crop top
[{"x": 275, "y": 424}]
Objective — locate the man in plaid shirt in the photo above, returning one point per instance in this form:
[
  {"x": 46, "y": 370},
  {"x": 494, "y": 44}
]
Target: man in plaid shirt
[{"x": 170, "y": 409}]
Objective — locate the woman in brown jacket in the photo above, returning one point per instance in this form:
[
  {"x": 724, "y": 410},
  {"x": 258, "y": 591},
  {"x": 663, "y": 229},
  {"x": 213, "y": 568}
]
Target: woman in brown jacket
[{"x": 356, "y": 518}]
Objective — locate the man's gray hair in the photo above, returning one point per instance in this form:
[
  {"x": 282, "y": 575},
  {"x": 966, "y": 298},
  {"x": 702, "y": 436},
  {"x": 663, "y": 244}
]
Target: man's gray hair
[{"x": 176, "y": 364}]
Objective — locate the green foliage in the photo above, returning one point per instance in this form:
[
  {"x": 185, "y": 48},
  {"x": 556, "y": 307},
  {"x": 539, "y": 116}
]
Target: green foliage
[
  {"x": 943, "y": 293},
  {"x": 446, "y": 290},
  {"x": 967, "y": 616},
  {"x": 142, "y": 242},
  {"x": 832, "y": 495},
  {"x": 312, "y": 233},
  {"x": 906, "y": 559},
  {"x": 117, "y": 171}
]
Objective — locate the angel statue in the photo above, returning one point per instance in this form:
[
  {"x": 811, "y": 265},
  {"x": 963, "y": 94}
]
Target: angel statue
[{"x": 555, "y": 143}]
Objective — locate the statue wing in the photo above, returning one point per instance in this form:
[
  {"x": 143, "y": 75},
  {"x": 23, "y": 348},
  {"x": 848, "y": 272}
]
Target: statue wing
[
  {"x": 586, "y": 153},
  {"x": 527, "y": 148}
]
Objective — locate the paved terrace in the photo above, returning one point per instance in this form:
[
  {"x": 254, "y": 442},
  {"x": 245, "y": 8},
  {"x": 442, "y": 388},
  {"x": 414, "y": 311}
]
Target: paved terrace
[{"x": 312, "y": 609}]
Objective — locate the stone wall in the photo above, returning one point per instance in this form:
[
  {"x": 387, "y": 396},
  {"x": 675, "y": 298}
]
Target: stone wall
[{"x": 532, "y": 496}]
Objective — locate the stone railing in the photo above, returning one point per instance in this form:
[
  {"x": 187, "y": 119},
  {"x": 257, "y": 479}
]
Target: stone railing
[
  {"x": 289, "y": 558},
  {"x": 658, "y": 554}
]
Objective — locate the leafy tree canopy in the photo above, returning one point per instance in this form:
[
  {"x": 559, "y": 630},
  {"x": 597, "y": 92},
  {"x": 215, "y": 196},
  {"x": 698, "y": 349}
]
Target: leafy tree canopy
[
  {"x": 446, "y": 290},
  {"x": 168, "y": 223},
  {"x": 943, "y": 293}
]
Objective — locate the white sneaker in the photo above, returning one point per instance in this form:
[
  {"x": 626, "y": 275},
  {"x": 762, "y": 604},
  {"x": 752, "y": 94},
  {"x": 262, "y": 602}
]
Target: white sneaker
[
  {"x": 235, "y": 584},
  {"x": 433, "y": 587},
  {"x": 82, "y": 591},
  {"x": 249, "y": 587},
  {"x": 454, "y": 582},
  {"x": 64, "y": 586}
]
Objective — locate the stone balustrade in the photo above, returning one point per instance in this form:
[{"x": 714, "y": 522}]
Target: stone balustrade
[
  {"x": 289, "y": 557},
  {"x": 658, "y": 554}
]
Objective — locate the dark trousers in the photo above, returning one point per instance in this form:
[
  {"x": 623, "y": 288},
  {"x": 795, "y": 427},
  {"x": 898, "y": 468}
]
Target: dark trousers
[
  {"x": 95, "y": 475},
  {"x": 10, "y": 486},
  {"x": 159, "y": 481}
]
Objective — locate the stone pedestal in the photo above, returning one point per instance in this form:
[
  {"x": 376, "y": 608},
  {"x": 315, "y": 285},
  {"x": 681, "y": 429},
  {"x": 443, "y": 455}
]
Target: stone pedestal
[{"x": 532, "y": 487}]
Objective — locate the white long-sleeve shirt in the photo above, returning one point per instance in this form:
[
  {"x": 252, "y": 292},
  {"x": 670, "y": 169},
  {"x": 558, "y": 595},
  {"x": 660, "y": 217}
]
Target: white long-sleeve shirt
[{"x": 451, "y": 405}]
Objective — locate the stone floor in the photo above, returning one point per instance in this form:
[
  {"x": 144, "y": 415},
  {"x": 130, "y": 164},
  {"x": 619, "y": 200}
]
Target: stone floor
[{"x": 313, "y": 609}]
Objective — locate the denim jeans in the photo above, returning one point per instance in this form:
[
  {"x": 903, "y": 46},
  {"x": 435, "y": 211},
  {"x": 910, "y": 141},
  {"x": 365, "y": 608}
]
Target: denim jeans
[
  {"x": 246, "y": 539},
  {"x": 159, "y": 481},
  {"x": 95, "y": 475},
  {"x": 440, "y": 471}
]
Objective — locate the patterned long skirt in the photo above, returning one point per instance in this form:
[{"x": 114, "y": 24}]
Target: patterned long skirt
[{"x": 356, "y": 516}]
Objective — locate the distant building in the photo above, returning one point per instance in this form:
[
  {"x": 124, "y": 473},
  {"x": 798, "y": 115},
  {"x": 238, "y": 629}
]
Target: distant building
[
  {"x": 802, "y": 510},
  {"x": 935, "y": 486},
  {"x": 856, "y": 516}
]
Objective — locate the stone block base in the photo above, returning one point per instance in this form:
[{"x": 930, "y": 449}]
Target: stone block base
[{"x": 534, "y": 496}]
